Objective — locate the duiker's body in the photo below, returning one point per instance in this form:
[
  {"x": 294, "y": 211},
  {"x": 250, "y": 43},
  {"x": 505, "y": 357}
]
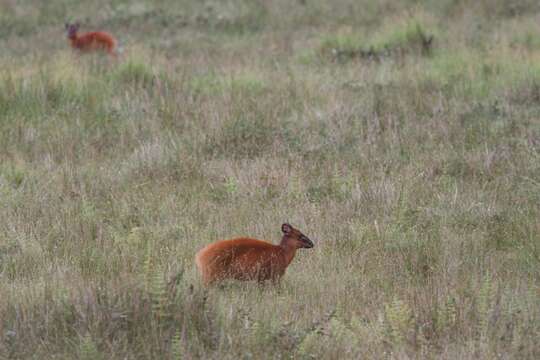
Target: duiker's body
[
  {"x": 250, "y": 259},
  {"x": 91, "y": 41}
]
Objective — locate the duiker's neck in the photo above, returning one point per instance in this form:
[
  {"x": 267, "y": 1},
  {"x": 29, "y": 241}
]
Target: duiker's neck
[{"x": 289, "y": 248}]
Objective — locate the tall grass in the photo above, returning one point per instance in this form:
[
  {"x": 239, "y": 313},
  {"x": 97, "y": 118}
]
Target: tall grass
[{"x": 416, "y": 174}]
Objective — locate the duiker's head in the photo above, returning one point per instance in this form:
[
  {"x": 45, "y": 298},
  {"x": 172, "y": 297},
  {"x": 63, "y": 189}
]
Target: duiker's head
[
  {"x": 71, "y": 29},
  {"x": 294, "y": 236}
]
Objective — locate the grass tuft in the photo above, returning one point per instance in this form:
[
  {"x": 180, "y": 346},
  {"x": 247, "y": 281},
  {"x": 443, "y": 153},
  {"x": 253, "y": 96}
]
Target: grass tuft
[{"x": 395, "y": 38}]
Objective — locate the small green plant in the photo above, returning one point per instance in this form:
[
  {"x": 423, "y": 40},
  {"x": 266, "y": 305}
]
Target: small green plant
[
  {"x": 411, "y": 36},
  {"x": 446, "y": 315},
  {"x": 248, "y": 84},
  {"x": 306, "y": 348},
  {"x": 208, "y": 84},
  {"x": 14, "y": 175},
  {"x": 231, "y": 185},
  {"x": 485, "y": 298},
  {"x": 177, "y": 346},
  {"x": 159, "y": 295},
  {"x": 398, "y": 320},
  {"x": 155, "y": 284},
  {"x": 134, "y": 73},
  {"x": 88, "y": 349}
]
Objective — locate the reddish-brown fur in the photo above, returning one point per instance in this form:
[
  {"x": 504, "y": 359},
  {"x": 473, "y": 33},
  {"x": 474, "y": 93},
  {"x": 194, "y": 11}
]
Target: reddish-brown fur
[
  {"x": 250, "y": 259},
  {"x": 91, "y": 41}
]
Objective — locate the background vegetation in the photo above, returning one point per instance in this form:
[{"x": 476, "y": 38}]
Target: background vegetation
[{"x": 403, "y": 137}]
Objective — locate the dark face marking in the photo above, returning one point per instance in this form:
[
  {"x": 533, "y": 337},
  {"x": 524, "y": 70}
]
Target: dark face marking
[
  {"x": 308, "y": 244},
  {"x": 302, "y": 240},
  {"x": 72, "y": 29}
]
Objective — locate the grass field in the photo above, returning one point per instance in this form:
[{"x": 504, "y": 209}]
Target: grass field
[{"x": 402, "y": 137}]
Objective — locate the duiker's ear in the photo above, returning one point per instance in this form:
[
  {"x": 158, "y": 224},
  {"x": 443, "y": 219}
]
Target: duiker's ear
[{"x": 286, "y": 228}]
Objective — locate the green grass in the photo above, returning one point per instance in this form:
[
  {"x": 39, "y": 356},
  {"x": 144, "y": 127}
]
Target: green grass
[
  {"x": 417, "y": 175},
  {"x": 397, "y": 37}
]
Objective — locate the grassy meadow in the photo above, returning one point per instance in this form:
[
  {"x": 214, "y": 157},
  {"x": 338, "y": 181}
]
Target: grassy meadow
[{"x": 402, "y": 137}]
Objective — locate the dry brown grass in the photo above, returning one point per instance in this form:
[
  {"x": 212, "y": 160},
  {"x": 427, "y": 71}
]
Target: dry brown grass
[{"x": 417, "y": 175}]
